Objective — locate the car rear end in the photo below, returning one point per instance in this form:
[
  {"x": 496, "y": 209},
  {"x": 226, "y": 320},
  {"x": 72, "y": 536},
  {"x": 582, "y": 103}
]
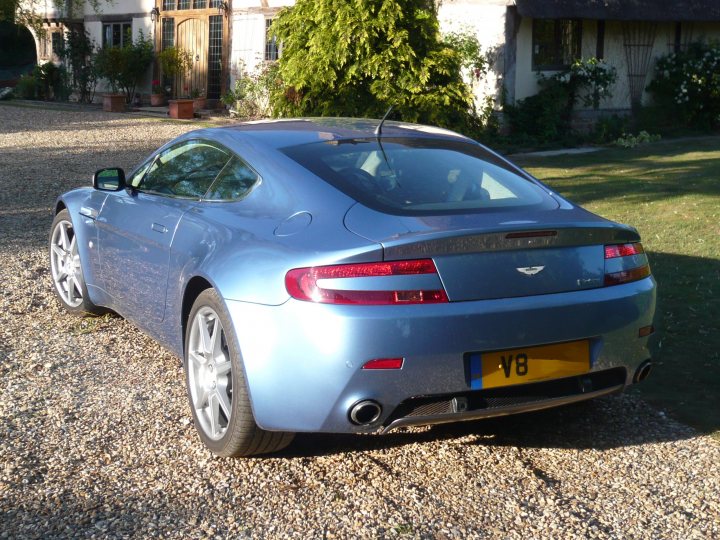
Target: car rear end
[{"x": 493, "y": 296}]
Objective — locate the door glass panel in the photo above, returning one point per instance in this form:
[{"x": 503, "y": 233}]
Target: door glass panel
[{"x": 186, "y": 170}]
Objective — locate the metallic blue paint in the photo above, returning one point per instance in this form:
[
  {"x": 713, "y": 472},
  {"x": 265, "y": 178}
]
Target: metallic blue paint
[{"x": 303, "y": 360}]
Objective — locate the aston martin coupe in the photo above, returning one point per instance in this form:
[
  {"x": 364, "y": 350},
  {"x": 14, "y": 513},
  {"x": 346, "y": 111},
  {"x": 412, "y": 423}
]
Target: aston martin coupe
[{"x": 343, "y": 275}]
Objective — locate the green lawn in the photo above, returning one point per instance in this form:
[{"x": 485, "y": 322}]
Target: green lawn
[{"x": 669, "y": 191}]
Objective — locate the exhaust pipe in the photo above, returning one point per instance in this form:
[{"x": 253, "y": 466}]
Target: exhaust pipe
[
  {"x": 643, "y": 371},
  {"x": 365, "y": 412}
]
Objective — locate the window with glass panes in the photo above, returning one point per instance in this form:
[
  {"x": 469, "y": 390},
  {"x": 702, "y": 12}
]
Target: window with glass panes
[
  {"x": 215, "y": 56},
  {"x": 556, "y": 43},
  {"x": 271, "y": 49},
  {"x": 117, "y": 34},
  {"x": 167, "y": 37}
]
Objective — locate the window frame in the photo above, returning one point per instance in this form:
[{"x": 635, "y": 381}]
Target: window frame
[
  {"x": 142, "y": 169},
  {"x": 272, "y": 47},
  {"x": 558, "y": 63},
  {"x": 148, "y": 164},
  {"x": 123, "y": 36}
]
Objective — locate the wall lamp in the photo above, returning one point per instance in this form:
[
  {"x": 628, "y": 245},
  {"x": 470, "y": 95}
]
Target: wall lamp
[
  {"x": 155, "y": 14},
  {"x": 223, "y": 8}
]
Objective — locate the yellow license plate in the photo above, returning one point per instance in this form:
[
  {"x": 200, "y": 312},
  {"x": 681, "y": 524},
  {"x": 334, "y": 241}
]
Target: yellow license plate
[{"x": 530, "y": 364}]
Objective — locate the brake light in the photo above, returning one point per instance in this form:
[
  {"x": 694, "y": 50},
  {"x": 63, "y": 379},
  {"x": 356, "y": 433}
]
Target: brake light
[
  {"x": 618, "y": 271},
  {"x": 623, "y": 250},
  {"x": 302, "y": 284}
]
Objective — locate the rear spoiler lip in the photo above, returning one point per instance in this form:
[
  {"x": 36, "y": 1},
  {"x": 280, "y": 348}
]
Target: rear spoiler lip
[{"x": 562, "y": 236}]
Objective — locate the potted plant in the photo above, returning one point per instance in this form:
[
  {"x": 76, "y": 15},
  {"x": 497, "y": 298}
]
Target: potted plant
[
  {"x": 123, "y": 68},
  {"x": 109, "y": 62},
  {"x": 176, "y": 62},
  {"x": 157, "y": 98},
  {"x": 199, "y": 99}
]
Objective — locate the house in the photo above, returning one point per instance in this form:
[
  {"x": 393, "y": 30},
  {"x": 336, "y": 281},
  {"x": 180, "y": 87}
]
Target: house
[{"x": 526, "y": 38}]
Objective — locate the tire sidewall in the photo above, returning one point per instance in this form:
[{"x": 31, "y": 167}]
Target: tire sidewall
[
  {"x": 210, "y": 298},
  {"x": 86, "y": 306}
]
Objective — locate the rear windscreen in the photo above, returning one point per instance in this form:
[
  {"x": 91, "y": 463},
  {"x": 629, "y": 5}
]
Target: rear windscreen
[{"x": 418, "y": 176}]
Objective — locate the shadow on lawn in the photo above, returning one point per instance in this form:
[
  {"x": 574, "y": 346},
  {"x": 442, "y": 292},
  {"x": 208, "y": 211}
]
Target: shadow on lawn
[{"x": 644, "y": 174}]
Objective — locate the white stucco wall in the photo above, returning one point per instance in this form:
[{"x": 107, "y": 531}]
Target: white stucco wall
[
  {"x": 247, "y": 47},
  {"x": 486, "y": 20}
]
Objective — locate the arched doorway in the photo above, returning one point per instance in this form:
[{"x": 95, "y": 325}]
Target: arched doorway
[{"x": 18, "y": 52}]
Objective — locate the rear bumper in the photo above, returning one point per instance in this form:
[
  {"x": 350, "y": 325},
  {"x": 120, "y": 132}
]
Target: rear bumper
[{"x": 303, "y": 361}]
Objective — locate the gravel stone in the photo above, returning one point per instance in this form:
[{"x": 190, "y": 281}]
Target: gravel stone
[{"x": 96, "y": 439}]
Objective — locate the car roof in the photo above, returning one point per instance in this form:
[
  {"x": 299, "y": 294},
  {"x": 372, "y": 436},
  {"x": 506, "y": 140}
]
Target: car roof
[{"x": 281, "y": 133}]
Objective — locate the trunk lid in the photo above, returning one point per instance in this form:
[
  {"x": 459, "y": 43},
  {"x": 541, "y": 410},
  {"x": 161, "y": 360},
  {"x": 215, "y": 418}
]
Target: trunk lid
[{"x": 501, "y": 254}]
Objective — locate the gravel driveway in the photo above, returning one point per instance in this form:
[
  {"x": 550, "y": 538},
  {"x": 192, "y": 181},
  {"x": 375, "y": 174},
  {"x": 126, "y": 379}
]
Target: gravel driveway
[{"x": 96, "y": 438}]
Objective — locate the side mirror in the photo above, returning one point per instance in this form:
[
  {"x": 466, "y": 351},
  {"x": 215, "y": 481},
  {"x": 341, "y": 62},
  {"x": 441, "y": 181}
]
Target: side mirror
[{"x": 110, "y": 179}]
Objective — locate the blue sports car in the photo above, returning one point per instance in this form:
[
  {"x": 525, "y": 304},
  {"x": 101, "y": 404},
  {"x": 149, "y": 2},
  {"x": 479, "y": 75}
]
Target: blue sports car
[{"x": 343, "y": 275}]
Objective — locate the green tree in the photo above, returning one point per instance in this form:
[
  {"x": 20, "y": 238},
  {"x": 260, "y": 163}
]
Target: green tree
[{"x": 358, "y": 57}]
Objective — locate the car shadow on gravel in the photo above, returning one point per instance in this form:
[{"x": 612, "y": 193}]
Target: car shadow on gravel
[{"x": 611, "y": 422}]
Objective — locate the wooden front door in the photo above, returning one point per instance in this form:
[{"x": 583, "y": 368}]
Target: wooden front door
[
  {"x": 200, "y": 27},
  {"x": 192, "y": 35}
]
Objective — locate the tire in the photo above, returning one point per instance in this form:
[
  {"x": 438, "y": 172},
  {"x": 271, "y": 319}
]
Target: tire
[
  {"x": 66, "y": 268},
  {"x": 217, "y": 387}
]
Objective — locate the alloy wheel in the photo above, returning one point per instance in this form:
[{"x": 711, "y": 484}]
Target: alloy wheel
[
  {"x": 210, "y": 373},
  {"x": 65, "y": 264}
]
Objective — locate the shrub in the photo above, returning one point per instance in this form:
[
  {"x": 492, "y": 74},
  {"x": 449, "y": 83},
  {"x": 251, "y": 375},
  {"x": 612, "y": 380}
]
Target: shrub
[
  {"x": 545, "y": 117},
  {"x": 174, "y": 61},
  {"x": 686, "y": 85},
  {"x": 631, "y": 141},
  {"x": 77, "y": 52},
  {"x": 25, "y": 88},
  {"x": 124, "y": 67},
  {"x": 610, "y": 128},
  {"x": 251, "y": 96}
]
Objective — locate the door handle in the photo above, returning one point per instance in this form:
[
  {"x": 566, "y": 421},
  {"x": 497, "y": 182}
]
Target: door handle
[
  {"x": 158, "y": 228},
  {"x": 88, "y": 212}
]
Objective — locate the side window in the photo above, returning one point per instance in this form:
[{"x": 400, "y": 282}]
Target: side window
[
  {"x": 186, "y": 170},
  {"x": 134, "y": 180},
  {"x": 234, "y": 182}
]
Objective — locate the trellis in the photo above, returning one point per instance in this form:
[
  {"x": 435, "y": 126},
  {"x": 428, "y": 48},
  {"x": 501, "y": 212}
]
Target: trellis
[{"x": 638, "y": 41}]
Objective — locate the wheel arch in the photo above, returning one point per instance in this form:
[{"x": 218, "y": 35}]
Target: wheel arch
[{"x": 195, "y": 286}]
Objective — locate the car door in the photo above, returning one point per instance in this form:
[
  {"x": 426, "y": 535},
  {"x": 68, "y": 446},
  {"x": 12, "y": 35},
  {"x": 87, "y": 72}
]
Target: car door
[{"x": 136, "y": 226}]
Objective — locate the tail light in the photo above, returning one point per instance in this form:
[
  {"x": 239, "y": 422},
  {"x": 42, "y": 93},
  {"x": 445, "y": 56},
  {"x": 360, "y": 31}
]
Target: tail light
[
  {"x": 625, "y": 263},
  {"x": 345, "y": 287}
]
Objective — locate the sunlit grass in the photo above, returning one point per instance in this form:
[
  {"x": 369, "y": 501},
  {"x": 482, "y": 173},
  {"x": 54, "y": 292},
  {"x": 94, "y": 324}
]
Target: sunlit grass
[{"x": 669, "y": 191}]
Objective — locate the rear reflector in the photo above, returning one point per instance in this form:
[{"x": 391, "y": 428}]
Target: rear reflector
[
  {"x": 302, "y": 283},
  {"x": 384, "y": 363},
  {"x": 646, "y": 331}
]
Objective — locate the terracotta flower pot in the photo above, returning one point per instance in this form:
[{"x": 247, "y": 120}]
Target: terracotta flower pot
[
  {"x": 157, "y": 100},
  {"x": 181, "y": 108},
  {"x": 113, "y": 102},
  {"x": 199, "y": 103}
]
